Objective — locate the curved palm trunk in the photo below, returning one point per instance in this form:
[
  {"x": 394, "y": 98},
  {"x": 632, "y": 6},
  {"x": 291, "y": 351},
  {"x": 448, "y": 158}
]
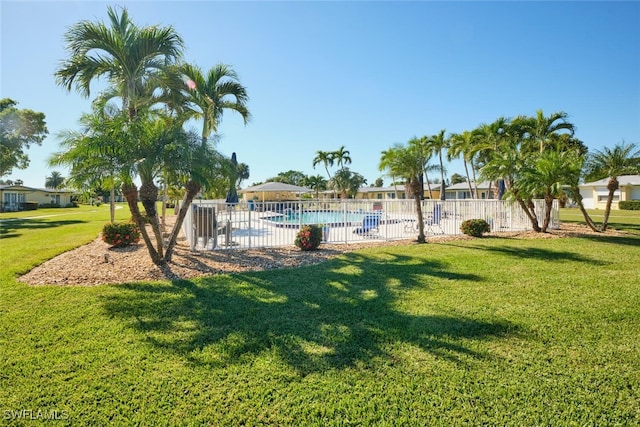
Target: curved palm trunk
[
  {"x": 528, "y": 208},
  {"x": 575, "y": 194},
  {"x": 190, "y": 194},
  {"x": 149, "y": 197},
  {"x": 130, "y": 193},
  {"x": 475, "y": 180},
  {"x": 466, "y": 171},
  {"x": 612, "y": 186},
  {"x": 426, "y": 176}
]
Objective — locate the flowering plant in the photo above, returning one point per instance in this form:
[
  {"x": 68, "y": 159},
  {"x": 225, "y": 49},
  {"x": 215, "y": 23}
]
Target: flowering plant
[
  {"x": 475, "y": 227},
  {"x": 119, "y": 234},
  {"x": 309, "y": 238}
]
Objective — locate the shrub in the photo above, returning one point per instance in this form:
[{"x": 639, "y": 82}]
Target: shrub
[
  {"x": 475, "y": 227},
  {"x": 309, "y": 238},
  {"x": 629, "y": 205},
  {"x": 119, "y": 234}
]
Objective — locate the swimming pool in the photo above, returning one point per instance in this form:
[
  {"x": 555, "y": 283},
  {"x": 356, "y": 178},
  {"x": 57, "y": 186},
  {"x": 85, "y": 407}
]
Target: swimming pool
[{"x": 292, "y": 219}]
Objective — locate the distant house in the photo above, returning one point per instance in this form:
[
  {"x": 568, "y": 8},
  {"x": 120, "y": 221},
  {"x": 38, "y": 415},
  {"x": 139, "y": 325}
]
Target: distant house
[
  {"x": 13, "y": 197},
  {"x": 393, "y": 192},
  {"x": 594, "y": 194},
  {"x": 461, "y": 191}
]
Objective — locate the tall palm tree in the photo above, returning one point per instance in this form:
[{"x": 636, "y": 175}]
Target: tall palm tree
[
  {"x": 461, "y": 145},
  {"x": 133, "y": 60},
  {"x": 213, "y": 93},
  {"x": 407, "y": 162},
  {"x": 125, "y": 54},
  {"x": 623, "y": 159},
  {"x": 437, "y": 144},
  {"x": 54, "y": 181},
  {"x": 342, "y": 157},
  {"x": 540, "y": 130},
  {"x": 324, "y": 157},
  {"x": 424, "y": 153}
]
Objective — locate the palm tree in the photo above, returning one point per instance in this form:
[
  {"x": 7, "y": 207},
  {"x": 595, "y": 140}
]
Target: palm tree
[
  {"x": 461, "y": 145},
  {"x": 624, "y": 159},
  {"x": 540, "y": 130},
  {"x": 54, "y": 181},
  {"x": 210, "y": 95},
  {"x": 407, "y": 162},
  {"x": 546, "y": 175},
  {"x": 437, "y": 144},
  {"x": 97, "y": 153},
  {"x": 133, "y": 60},
  {"x": 342, "y": 157},
  {"x": 420, "y": 147},
  {"x": 324, "y": 157},
  {"x": 316, "y": 183},
  {"x": 125, "y": 54}
]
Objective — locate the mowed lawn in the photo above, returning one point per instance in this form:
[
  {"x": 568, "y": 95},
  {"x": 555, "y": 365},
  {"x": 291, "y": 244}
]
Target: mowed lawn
[{"x": 491, "y": 331}]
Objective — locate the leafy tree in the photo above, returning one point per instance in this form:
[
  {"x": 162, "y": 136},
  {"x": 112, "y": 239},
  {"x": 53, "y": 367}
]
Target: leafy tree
[
  {"x": 347, "y": 183},
  {"x": 18, "y": 130},
  {"x": 456, "y": 178},
  {"x": 420, "y": 147},
  {"x": 289, "y": 177},
  {"x": 623, "y": 159},
  {"x": 379, "y": 183},
  {"x": 54, "y": 181}
]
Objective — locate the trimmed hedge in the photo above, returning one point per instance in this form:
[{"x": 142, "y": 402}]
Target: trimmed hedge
[{"x": 629, "y": 205}]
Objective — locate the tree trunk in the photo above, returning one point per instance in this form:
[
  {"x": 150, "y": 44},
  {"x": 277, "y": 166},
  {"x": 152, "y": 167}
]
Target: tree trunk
[
  {"x": 130, "y": 193},
  {"x": 575, "y": 194},
  {"x": 149, "y": 199},
  {"x": 612, "y": 186},
  {"x": 415, "y": 189},
  {"x": 548, "y": 204},
  {"x": 466, "y": 171},
  {"x": 112, "y": 202},
  {"x": 475, "y": 180},
  {"x": 532, "y": 215},
  {"x": 190, "y": 194}
]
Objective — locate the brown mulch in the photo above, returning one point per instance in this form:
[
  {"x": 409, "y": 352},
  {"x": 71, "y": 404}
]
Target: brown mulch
[{"x": 96, "y": 263}]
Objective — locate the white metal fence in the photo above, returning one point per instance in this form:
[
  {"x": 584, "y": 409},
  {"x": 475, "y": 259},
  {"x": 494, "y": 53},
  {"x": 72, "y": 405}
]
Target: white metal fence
[{"x": 214, "y": 225}]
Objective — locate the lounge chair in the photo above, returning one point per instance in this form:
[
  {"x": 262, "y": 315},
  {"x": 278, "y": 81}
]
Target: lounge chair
[
  {"x": 433, "y": 221},
  {"x": 370, "y": 224}
]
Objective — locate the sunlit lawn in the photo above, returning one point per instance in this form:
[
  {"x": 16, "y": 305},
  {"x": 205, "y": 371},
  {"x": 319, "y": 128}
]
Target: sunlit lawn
[
  {"x": 490, "y": 331},
  {"x": 618, "y": 220}
]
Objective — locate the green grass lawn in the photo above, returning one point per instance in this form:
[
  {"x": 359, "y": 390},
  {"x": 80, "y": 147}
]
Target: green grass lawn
[
  {"x": 618, "y": 220},
  {"x": 493, "y": 331}
]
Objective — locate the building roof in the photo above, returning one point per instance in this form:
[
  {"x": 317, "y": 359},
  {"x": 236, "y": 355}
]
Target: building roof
[
  {"x": 622, "y": 180},
  {"x": 275, "y": 187},
  {"x": 25, "y": 188}
]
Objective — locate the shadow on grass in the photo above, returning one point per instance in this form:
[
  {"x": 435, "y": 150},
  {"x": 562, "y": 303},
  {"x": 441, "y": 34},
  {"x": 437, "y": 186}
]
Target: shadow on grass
[
  {"x": 530, "y": 252},
  {"x": 332, "y": 315},
  {"x": 629, "y": 240},
  {"x": 12, "y": 227}
]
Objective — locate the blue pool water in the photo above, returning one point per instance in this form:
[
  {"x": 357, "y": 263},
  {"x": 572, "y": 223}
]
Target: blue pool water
[{"x": 331, "y": 218}]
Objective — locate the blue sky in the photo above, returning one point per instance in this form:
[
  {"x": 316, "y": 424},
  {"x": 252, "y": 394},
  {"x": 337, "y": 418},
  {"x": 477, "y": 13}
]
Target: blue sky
[{"x": 364, "y": 75}]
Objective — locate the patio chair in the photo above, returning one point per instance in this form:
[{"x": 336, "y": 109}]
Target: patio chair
[
  {"x": 369, "y": 227},
  {"x": 433, "y": 222}
]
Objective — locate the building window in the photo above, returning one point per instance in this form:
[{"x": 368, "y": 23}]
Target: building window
[{"x": 616, "y": 197}]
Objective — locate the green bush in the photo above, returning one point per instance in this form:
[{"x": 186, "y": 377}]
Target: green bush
[
  {"x": 309, "y": 238},
  {"x": 29, "y": 206},
  {"x": 119, "y": 234},
  {"x": 475, "y": 227},
  {"x": 629, "y": 205}
]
